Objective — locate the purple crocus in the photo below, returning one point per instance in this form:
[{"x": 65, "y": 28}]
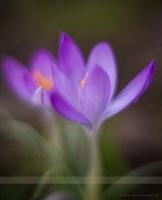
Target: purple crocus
[
  {"x": 84, "y": 92},
  {"x": 31, "y": 85}
]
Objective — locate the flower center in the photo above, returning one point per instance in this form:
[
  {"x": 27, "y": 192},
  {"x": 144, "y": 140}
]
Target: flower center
[
  {"x": 83, "y": 80},
  {"x": 42, "y": 81}
]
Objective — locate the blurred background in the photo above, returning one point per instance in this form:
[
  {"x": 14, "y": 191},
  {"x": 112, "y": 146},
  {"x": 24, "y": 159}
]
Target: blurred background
[{"x": 130, "y": 139}]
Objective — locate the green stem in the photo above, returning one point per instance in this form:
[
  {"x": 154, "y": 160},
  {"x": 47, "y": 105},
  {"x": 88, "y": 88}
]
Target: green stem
[{"x": 93, "y": 189}]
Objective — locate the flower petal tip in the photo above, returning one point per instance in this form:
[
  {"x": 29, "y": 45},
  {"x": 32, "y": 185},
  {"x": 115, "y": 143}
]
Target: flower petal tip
[
  {"x": 41, "y": 53},
  {"x": 5, "y": 62},
  {"x": 63, "y": 38},
  {"x": 41, "y": 50},
  {"x": 151, "y": 69},
  {"x": 6, "y": 59},
  {"x": 152, "y": 66}
]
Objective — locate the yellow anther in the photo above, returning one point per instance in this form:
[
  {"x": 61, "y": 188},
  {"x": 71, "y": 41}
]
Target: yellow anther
[
  {"x": 83, "y": 80},
  {"x": 42, "y": 81}
]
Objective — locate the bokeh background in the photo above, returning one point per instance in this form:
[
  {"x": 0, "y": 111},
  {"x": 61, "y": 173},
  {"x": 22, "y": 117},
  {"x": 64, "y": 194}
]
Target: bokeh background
[{"x": 129, "y": 140}]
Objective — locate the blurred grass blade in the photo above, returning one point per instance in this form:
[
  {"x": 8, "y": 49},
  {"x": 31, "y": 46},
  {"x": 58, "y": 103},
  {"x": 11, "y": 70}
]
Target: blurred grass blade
[
  {"x": 5, "y": 115},
  {"x": 25, "y": 134},
  {"x": 44, "y": 181},
  {"x": 115, "y": 191}
]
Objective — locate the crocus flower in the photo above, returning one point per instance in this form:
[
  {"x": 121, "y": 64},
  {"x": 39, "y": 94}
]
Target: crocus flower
[
  {"x": 84, "y": 91},
  {"x": 34, "y": 84}
]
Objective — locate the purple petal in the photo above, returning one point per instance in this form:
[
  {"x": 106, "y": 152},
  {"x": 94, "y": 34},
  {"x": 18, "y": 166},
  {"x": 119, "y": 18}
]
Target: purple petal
[
  {"x": 29, "y": 82},
  {"x": 103, "y": 56},
  {"x": 42, "y": 97},
  {"x": 65, "y": 109},
  {"x": 18, "y": 79},
  {"x": 66, "y": 88},
  {"x": 42, "y": 61},
  {"x": 38, "y": 96},
  {"x": 71, "y": 61},
  {"x": 95, "y": 94},
  {"x": 132, "y": 91}
]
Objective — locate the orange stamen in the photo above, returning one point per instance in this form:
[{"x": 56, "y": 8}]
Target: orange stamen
[
  {"x": 42, "y": 81},
  {"x": 83, "y": 80}
]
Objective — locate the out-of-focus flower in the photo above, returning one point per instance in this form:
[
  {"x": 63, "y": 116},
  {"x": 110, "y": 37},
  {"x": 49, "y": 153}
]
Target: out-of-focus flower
[
  {"x": 32, "y": 85},
  {"x": 84, "y": 91}
]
